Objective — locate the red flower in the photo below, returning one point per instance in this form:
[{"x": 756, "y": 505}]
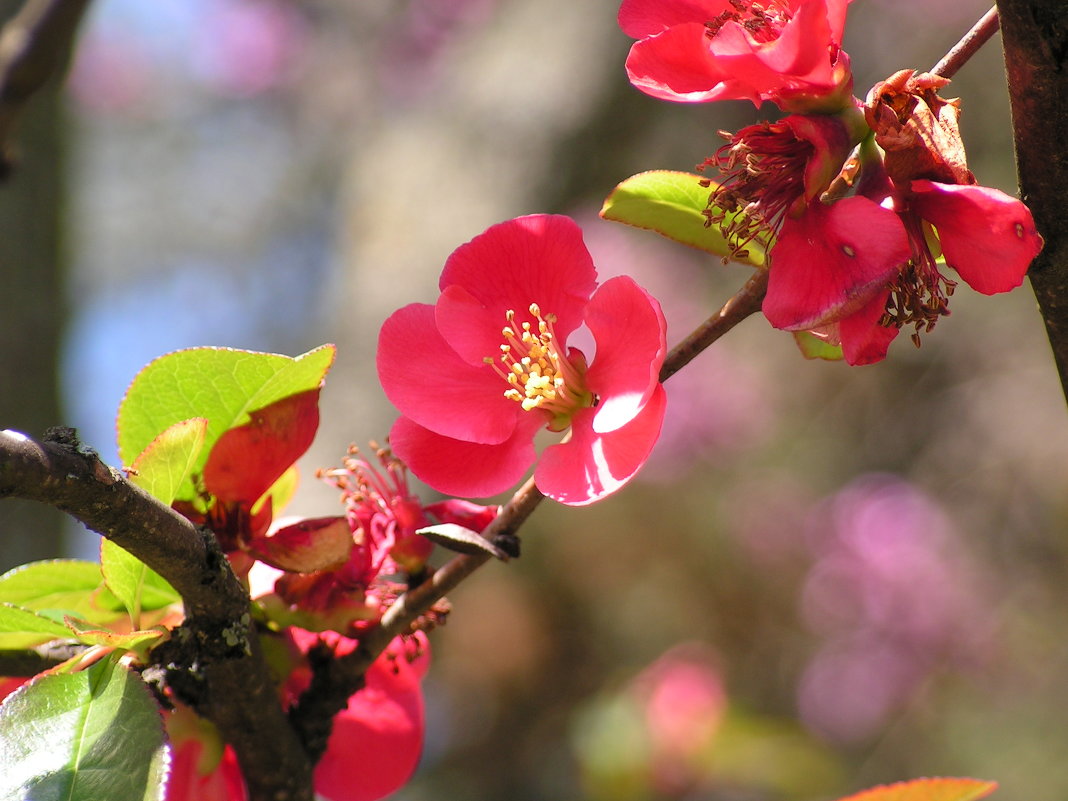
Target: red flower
[
  {"x": 478, "y": 374},
  {"x": 786, "y": 51},
  {"x": 376, "y": 741},
  {"x": 380, "y": 525},
  {"x": 828, "y": 263},
  {"x": 203, "y": 767}
]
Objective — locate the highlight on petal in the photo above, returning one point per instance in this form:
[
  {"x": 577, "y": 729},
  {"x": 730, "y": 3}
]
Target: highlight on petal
[
  {"x": 590, "y": 465},
  {"x": 536, "y": 259},
  {"x": 428, "y": 382},
  {"x": 987, "y": 236},
  {"x": 466, "y": 469},
  {"x": 830, "y": 262},
  {"x": 631, "y": 334}
]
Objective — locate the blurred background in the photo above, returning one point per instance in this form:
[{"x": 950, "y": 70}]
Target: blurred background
[{"x": 826, "y": 578}]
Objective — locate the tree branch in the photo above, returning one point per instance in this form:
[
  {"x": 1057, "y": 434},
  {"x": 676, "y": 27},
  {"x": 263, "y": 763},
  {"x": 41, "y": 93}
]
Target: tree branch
[
  {"x": 969, "y": 44},
  {"x": 34, "y": 45},
  {"x": 228, "y": 673},
  {"x": 1035, "y": 37}
]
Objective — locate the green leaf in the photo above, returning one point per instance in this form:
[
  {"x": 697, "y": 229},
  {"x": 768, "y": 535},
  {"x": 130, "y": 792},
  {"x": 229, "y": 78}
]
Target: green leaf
[
  {"x": 138, "y": 641},
  {"x": 221, "y": 385},
  {"x": 168, "y": 460},
  {"x": 24, "y": 628},
  {"x": 673, "y": 204},
  {"x": 935, "y": 789},
  {"x": 86, "y": 736},
  {"x": 139, "y": 587},
  {"x": 160, "y": 469},
  {"x": 812, "y": 347},
  {"x": 61, "y": 587}
]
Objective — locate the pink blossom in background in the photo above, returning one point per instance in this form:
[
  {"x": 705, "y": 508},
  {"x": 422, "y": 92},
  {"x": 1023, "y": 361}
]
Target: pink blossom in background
[
  {"x": 893, "y": 598},
  {"x": 479, "y": 373},
  {"x": 415, "y": 46},
  {"x": 248, "y": 46},
  {"x": 684, "y": 702},
  {"x": 110, "y": 73}
]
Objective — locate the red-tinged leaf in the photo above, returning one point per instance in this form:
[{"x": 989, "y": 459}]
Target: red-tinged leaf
[
  {"x": 313, "y": 544},
  {"x": 219, "y": 384},
  {"x": 249, "y": 458},
  {"x": 934, "y": 789},
  {"x": 137, "y": 641}
]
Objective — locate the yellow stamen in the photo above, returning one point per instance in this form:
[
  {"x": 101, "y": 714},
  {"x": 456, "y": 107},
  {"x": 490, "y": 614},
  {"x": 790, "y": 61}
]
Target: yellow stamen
[{"x": 539, "y": 375}]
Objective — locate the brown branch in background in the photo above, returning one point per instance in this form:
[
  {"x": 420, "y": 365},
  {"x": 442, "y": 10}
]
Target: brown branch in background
[
  {"x": 35, "y": 44},
  {"x": 969, "y": 44},
  {"x": 1035, "y": 37},
  {"x": 234, "y": 687}
]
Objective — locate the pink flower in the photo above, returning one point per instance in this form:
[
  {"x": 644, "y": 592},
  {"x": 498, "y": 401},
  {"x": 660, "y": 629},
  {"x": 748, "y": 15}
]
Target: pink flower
[
  {"x": 986, "y": 236},
  {"x": 203, "y": 767},
  {"x": 479, "y": 373},
  {"x": 786, "y": 51},
  {"x": 376, "y": 740},
  {"x": 380, "y": 525},
  {"x": 828, "y": 260}
]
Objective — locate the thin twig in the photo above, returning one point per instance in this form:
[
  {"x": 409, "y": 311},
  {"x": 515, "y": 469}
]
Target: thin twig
[
  {"x": 745, "y": 301},
  {"x": 969, "y": 44}
]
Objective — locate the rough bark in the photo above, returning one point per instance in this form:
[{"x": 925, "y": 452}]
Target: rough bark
[{"x": 1035, "y": 36}]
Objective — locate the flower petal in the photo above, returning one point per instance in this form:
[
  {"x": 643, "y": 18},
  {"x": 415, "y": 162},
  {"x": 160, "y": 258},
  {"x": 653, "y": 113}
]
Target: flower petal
[
  {"x": 383, "y": 724},
  {"x": 537, "y": 259},
  {"x": 628, "y": 326},
  {"x": 590, "y": 465},
  {"x": 467, "y": 469},
  {"x": 427, "y": 381},
  {"x": 678, "y": 65},
  {"x": 987, "y": 236},
  {"x": 641, "y": 18},
  {"x": 472, "y": 330},
  {"x": 863, "y": 340},
  {"x": 830, "y": 262}
]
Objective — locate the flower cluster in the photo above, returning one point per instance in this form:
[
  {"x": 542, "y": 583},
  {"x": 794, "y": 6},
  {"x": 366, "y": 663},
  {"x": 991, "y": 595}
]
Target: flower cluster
[
  {"x": 861, "y": 204},
  {"x": 323, "y": 581},
  {"x": 479, "y": 373}
]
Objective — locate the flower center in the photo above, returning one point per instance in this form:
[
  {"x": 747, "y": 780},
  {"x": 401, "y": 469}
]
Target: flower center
[
  {"x": 763, "y": 169},
  {"x": 539, "y": 374},
  {"x": 920, "y": 294},
  {"x": 762, "y": 21}
]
